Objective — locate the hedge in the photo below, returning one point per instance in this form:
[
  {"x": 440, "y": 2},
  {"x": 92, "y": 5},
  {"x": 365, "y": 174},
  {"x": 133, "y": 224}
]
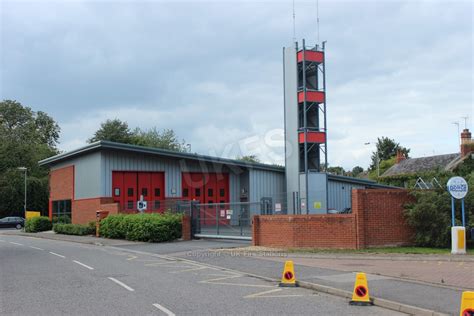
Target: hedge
[
  {"x": 37, "y": 224},
  {"x": 142, "y": 227},
  {"x": 74, "y": 229}
]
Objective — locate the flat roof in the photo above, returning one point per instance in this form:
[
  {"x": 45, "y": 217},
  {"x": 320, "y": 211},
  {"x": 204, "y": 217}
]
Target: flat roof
[{"x": 100, "y": 145}]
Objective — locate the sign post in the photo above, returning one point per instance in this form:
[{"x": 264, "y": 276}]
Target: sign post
[{"x": 458, "y": 188}]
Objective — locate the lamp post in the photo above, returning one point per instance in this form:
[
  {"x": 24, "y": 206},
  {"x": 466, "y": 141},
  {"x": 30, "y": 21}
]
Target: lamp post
[
  {"x": 24, "y": 204},
  {"x": 378, "y": 159}
]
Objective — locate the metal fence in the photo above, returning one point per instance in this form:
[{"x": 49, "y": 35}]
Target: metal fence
[{"x": 226, "y": 220}]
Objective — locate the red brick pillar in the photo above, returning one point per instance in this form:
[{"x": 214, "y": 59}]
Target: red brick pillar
[
  {"x": 358, "y": 209},
  {"x": 255, "y": 230},
  {"x": 186, "y": 233}
]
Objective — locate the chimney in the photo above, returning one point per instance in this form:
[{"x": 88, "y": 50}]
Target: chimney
[
  {"x": 467, "y": 145},
  {"x": 400, "y": 156}
]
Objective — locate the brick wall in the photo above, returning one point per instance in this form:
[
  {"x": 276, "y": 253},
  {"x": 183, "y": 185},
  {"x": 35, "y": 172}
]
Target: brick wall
[
  {"x": 83, "y": 211},
  {"x": 61, "y": 186},
  {"x": 303, "y": 231},
  {"x": 376, "y": 220},
  {"x": 380, "y": 217}
]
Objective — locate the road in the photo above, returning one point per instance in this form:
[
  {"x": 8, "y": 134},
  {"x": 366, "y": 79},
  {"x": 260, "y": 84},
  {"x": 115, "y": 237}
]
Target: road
[{"x": 48, "y": 277}]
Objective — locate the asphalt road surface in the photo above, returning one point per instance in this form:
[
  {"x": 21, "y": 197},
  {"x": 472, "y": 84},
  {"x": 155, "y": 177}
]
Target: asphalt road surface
[{"x": 47, "y": 277}]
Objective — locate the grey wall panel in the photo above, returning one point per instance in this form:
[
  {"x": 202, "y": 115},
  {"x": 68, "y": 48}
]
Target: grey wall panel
[
  {"x": 291, "y": 123},
  {"x": 340, "y": 194},
  {"x": 267, "y": 184}
]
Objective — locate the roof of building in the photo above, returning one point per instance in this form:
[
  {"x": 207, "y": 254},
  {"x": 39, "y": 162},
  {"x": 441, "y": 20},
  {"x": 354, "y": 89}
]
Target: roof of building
[
  {"x": 100, "y": 145},
  {"x": 424, "y": 164}
]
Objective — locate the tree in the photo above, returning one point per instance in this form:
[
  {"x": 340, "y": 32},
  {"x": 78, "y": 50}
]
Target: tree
[
  {"x": 25, "y": 138},
  {"x": 386, "y": 149},
  {"x": 166, "y": 139},
  {"x": 113, "y": 130},
  {"x": 357, "y": 170},
  {"x": 249, "y": 158},
  {"x": 336, "y": 170}
]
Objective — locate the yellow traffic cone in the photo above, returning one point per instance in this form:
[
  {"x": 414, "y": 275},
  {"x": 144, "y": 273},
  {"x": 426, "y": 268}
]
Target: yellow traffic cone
[
  {"x": 467, "y": 304},
  {"x": 360, "y": 295},
  {"x": 288, "y": 278}
]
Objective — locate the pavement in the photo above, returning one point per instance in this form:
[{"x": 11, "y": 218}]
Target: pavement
[
  {"x": 426, "y": 282},
  {"x": 42, "y": 276}
]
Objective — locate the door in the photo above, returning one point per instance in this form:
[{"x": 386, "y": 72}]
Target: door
[
  {"x": 157, "y": 192},
  {"x": 144, "y": 188}
]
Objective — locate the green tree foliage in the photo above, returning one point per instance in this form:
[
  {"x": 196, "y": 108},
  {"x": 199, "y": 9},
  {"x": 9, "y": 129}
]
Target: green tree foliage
[
  {"x": 430, "y": 214},
  {"x": 25, "y": 138},
  {"x": 337, "y": 170},
  {"x": 114, "y": 131},
  {"x": 356, "y": 171},
  {"x": 386, "y": 149},
  {"x": 249, "y": 158},
  {"x": 119, "y": 132}
]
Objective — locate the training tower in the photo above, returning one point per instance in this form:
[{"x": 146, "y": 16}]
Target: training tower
[{"x": 305, "y": 128}]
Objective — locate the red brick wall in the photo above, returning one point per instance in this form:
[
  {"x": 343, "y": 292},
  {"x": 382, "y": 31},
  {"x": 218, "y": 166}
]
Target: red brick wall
[
  {"x": 304, "y": 231},
  {"x": 377, "y": 220},
  {"x": 61, "y": 185},
  {"x": 380, "y": 217},
  {"x": 186, "y": 233},
  {"x": 83, "y": 211}
]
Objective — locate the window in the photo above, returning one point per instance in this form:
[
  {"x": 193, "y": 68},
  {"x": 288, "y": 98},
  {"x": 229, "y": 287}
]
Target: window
[
  {"x": 210, "y": 192},
  {"x": 144, "y": 191},
  {"x": 221, "y": 192},
  {"x": 185, "y": 193},
  {"x": 61, "y": 209},
  {"x": 157, "y": 192},
  {"x": 157, "y": 205},
  {"x": 197, "y": 192},
  {"x": 130, "y": 192},
  {"x": 117, "y": 191},
  {"x": 130, "y": 205}
]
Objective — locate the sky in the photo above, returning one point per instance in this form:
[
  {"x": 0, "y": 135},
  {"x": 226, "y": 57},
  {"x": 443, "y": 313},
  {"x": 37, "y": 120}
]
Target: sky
[{"x": 212, "y": 70}]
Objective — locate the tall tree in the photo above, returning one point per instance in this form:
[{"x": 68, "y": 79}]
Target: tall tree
[
  {"x": 165, "y": 139},
  {"x": 386, "y": 148},
  {"x": 25, "y": 138},
  {"x": 356, "y": 171},
  {"x": 113, "y": 130},
  {"x": 249, "y": 158}
]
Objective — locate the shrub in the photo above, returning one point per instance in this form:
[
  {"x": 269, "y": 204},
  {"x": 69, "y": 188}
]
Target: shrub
[
  {"x": 73, "y": 229},
  {"x": 142, "y": 227},
  {"x": 62, "y": 219},
  {"x": 37, "y": 224}
]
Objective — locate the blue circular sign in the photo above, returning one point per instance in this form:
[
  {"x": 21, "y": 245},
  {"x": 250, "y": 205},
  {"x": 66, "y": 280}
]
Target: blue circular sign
[{"x": 457, "y": 187}]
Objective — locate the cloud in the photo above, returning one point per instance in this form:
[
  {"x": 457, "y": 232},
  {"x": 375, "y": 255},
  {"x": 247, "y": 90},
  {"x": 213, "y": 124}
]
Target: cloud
[{"x": 212, "y": 71}]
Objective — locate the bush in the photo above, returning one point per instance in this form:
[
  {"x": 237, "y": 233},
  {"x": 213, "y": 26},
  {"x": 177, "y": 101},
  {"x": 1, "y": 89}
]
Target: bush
[
  {"x": 37, "y": 224},
  {"x": 142, "y": 227},
  {"x": 73, "y": 229},
  {"x": 62, "y": 219}
]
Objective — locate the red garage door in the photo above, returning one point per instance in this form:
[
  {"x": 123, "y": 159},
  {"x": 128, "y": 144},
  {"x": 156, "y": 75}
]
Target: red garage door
[
  {"x": 129, "y": 186},
  {"x": 207, "y": 188}
]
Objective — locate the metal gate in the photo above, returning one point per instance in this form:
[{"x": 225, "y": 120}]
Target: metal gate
[{"x": 226, "y": 220}]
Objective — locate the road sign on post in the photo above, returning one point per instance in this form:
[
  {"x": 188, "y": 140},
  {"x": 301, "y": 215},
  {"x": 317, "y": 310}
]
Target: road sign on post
[
  {"x": 141, "y": 205},
  {"x": 458, "y": 188}
]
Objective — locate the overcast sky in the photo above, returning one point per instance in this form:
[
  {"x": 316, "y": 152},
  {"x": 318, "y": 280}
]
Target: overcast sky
[{"x": 212, "y": 70}]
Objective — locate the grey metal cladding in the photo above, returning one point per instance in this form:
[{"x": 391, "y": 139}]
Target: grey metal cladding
[
  {"x": 265, "y": 183},
  {"x": 340, "y": 194},
  {"x": 291, "y": 121}
]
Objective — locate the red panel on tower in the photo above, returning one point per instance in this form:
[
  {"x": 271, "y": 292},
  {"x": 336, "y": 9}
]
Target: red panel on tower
[
  {"x": 311, "y": 96},
  {"x": 310, "y": 55},
  {"x": 313, "y": 137}
]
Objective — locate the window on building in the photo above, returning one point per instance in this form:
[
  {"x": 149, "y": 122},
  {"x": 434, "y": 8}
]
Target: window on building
[
  {"x": 117, "y": 191},
  {"x": 144, "y": 191},
  {"x": 157, "y": 192},
  {"x": 210, "y": 192},
  {"x": 130, "y": 205},
  {"x": 157, "y": 205},
  {"x": 185, "y": 193},
  {"x": 130, "y": 192},
  {"x": 221, "y": 192},
  {"x": 61, "y": 210},
  {"x": 197, "y": 192}
]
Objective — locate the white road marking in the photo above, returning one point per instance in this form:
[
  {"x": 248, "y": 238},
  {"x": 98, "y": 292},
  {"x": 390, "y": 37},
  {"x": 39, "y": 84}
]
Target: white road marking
[
  {"x": 121, "y": 284},
  {"x": 82, "y": 264},
  {"x": 2, "y": 240},
  {"x": 36, "y": 248},
  {"x": 264, "y": 294},
  {"x": 164, "y": 310},
  {"x": 56, "y": 254},
  {"x": 15, "y": 243}
]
